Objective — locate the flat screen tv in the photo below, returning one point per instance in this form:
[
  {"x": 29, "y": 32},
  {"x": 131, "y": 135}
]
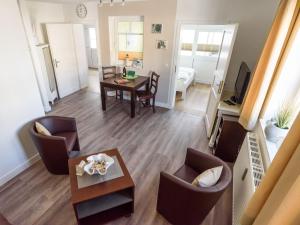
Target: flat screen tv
[{"x": 241, "y": 83}]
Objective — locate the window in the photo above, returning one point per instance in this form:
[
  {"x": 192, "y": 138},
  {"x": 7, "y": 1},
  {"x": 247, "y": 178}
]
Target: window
[
  {"x": 187, "y": 38},
  {"x": 130, "y": 38},
  {"x": 196, "y": 42},
  {"x": 208, "y": 43},
  {"x": 92, "y": 37},
  {"x": 286, "y": 93}
]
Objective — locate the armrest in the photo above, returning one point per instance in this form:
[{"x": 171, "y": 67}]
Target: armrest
[
  {"x": 200, "y": 161},
  {"x": 57, "y": 124},
  {"x": 46, "y": 141}
]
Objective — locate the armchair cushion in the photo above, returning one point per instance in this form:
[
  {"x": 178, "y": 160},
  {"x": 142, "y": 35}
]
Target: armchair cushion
[
  {"x": 41, "y": 129},
  {"x": 70, "y": 138},
  {"x": 209, "y": 177},
  {"x": 186, "y": 173}
]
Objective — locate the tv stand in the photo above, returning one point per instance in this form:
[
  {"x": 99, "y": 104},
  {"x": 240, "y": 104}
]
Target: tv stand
[
  {"x": 233, "y": 99},
  {"x": 224, "y": 109}
]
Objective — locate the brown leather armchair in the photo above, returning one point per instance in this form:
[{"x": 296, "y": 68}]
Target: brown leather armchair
[
  {"x": 55, "y": 150},
  {"x": 3, "y": 220},
  {"x": 182, "y": 203}
]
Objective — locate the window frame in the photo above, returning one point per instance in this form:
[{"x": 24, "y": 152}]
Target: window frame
[
  {"x": 195, "y": 42},
  {"x": 116, "y": 34}
]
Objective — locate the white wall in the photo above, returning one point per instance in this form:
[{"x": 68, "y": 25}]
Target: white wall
[
  {"x": 254, "y": 18},
  {"x": 71, "y": 16},
  {"x": 43, "y": 12},
  {"x": 19, "y": 95}
]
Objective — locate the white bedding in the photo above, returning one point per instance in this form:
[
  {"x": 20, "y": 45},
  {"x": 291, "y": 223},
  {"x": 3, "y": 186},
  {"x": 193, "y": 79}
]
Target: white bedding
[{"x": 184, "y": 79}]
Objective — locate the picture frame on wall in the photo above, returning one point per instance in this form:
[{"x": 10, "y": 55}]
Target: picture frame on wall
[
  {"x": 156, "y": 28},
  {"x": 161, "y": 44}
]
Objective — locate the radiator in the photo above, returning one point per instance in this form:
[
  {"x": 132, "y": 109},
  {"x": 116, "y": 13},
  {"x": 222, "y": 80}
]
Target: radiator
[{"x": 248, "y": 171}]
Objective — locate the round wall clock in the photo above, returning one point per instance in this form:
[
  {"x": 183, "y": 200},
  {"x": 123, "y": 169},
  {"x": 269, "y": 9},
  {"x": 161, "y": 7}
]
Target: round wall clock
[{"x": 81, "y": 10}]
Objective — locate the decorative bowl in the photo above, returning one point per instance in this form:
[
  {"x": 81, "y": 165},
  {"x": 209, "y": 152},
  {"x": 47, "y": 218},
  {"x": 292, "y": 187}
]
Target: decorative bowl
[
  {"x": 131, "y": 77},
  {"x": 98, "y": 164}
]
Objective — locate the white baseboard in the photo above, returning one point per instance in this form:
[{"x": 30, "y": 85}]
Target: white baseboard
[
  {"x": 163, "y": 105},
  {"x": 19, "y": 169}
]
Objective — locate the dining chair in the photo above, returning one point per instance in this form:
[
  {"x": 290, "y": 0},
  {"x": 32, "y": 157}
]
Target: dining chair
[
  {"x": 109, "y": 72},
  {"x": 144, "y": 96}
]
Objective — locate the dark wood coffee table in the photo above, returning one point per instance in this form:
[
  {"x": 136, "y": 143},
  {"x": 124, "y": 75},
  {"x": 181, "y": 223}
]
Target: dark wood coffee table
[{"x": 99, "y": 203}]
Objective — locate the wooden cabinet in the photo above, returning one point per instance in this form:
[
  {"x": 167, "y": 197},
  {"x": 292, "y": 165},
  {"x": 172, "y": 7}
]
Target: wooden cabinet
[{"x": 230, "y": 136}]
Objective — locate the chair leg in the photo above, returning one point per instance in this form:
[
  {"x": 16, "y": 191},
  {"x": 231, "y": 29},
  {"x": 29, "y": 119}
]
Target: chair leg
[
  {"x": 139, "y": 107},
  {"x": 153, "y": 105},
  {"x": 121, "y": 95},
  {"x": 116, "y": 94}
]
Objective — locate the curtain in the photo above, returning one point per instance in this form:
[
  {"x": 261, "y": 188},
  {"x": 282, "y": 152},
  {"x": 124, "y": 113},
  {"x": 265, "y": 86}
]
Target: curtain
[
  {"x": 266, "y": 72},
  {"x": 279, "y": 192}
]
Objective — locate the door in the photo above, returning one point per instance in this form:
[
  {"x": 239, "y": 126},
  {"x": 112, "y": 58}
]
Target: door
[
  {"x": 91, "y": 46},
  {"x": 220, "y": 73},
  {"x": 61, "y": 41}
]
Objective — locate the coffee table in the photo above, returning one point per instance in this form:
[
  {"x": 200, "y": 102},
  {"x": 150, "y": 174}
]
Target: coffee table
[{"x": 101, "y": 202}]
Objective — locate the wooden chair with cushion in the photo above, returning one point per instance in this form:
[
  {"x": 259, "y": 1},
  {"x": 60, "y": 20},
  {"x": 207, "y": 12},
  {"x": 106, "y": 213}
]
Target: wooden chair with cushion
[
  {"x": 182, "y": 203},
  {"x": 109, "y": 72},
  {"x": 55, "y": 150},
  {"x": 144, "y": 96}
]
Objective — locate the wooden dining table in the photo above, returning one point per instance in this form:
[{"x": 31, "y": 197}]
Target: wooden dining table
[{"x": 131, "y": 86}]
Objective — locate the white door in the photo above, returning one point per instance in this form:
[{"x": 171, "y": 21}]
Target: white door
[
  {"x": 220, "y": 76},
  {"x": 91, "y": 46},
  {"x": 61, "y": 41}
]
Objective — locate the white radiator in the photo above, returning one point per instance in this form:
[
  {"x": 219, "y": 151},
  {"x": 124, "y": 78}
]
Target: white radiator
[{"x": 248, "y": 171}]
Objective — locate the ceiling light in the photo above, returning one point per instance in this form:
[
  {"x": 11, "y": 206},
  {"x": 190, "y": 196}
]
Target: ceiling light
[
  {"x": 100, "y": 3},
  {"x": 111, "y": 2},
  {"x": 123, "y": 2}
]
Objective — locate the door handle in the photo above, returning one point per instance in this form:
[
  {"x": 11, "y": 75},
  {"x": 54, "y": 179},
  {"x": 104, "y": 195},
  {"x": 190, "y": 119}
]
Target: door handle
[
  {"x": 220, "y": 87},
  {"x": 244, "y": 174},
  {"x": 56, "y": 62}
]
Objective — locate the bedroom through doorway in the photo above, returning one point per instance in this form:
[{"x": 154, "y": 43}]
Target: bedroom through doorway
[{"x": 197, "y": 58}]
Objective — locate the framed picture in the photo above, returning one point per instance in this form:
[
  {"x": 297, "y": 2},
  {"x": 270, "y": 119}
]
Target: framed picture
[
  {"x": 161, "y": 44},
  {"x": 156, "y": 28}
]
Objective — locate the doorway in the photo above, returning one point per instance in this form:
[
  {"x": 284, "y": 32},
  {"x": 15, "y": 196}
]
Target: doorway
[
  {"x": 92, "y": 57},
  {"x": 198, "y": 53}
]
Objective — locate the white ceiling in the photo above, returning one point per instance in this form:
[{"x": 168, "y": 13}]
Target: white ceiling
[{"x": 80, "y": 1}]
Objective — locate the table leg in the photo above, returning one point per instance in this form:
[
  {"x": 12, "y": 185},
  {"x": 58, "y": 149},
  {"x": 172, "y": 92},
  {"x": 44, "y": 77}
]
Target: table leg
[
  {"x": 133, "y": 98},
  {"x": 103, "y": 98},
  {"x": 147, "y": 91},
  {"x": 121, "y": 95}
]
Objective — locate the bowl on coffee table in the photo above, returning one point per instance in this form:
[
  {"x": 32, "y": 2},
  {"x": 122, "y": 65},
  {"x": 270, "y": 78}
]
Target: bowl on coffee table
[{"x": 98, "y": 164}]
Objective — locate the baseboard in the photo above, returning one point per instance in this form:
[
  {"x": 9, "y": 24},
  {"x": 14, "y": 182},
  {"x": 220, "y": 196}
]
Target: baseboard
[
  {"x": 19, "y": 169},
  {"x": 163, "y": 105}
]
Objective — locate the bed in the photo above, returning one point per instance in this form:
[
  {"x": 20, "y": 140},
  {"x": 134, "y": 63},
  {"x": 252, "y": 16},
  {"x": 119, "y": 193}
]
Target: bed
[{"x": 184, "y": 79}]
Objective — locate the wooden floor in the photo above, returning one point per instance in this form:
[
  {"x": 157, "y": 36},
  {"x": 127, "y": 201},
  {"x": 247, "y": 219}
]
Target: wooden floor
[
  {"x": 148, "y": 144},
  {"x": 196, "y": 99}
]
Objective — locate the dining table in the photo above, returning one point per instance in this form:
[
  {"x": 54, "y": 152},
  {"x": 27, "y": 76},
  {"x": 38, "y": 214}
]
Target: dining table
[{"x": 132, "y": 85}]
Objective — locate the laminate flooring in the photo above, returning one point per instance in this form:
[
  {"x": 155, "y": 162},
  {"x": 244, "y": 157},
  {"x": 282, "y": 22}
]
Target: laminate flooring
[
  {"x": 148, "y": 144},
  {"x": 196, "y": 99}
]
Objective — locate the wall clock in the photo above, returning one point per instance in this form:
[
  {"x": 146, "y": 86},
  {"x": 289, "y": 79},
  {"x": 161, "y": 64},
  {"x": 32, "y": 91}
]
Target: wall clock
[{"x": 81, "y": 10}]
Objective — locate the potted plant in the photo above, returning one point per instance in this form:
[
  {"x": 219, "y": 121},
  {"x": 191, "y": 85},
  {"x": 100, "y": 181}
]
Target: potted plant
[{"x": 278, "y": 127}]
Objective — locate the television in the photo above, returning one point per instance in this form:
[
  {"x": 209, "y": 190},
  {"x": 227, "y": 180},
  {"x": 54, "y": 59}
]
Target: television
[{"x": 241, "y": 83}]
